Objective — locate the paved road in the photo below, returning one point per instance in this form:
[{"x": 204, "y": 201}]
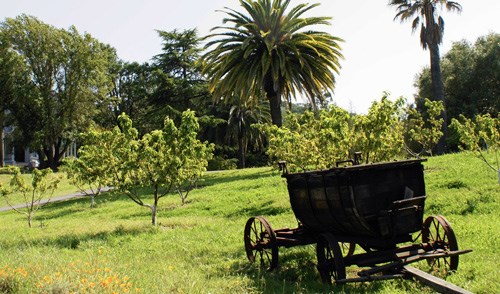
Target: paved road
[{"x": 55, "y": 199}]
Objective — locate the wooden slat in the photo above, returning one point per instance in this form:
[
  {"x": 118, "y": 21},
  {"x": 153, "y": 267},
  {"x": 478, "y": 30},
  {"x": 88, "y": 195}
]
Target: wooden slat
[{"x": 435, "y": 283}]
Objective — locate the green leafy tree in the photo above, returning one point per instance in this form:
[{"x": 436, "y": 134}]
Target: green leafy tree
[
  {"x": 424, "y": 132},
  {"x": 166, "y": 160},
  {"x": 11, "y": 70},
  {"x": 68, "y": 74},
  {"x": 310, "y": 141},
  {"x": 480, "y": 135},
  {"x": 133, "y": 86},
  {"x": 180, "y": 84},
  {"x": 242, "y": 115},
  {"x": 380, "y": 132},
  {"x": 470, "y": 75},
  {"x": 88, "y": 172},
  {"x": 269, "y": 49},
  {"x": 425, "y": 14},
  {"x": 36, "y": 193}
]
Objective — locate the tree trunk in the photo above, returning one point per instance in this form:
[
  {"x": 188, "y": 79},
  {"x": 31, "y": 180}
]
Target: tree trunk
[
  {"x": 154, "y": 207},
  {"x": 241, "y": 150},
  {"x": 275, "y": 107},
  {"x": 2, "y": 147},
  {"x": 274, "y": 97},
  {"x": 438, "y": 94}
]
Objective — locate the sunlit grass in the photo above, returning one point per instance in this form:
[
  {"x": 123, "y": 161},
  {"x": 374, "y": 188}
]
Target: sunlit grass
[{"x": 198, "y": 247}]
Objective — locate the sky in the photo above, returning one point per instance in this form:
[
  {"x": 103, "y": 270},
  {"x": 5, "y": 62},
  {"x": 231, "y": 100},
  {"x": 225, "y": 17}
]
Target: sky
[{"x": 380, "y": 54}]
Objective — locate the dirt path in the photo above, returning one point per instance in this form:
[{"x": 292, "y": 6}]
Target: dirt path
[{"x": 55, "y": 199}]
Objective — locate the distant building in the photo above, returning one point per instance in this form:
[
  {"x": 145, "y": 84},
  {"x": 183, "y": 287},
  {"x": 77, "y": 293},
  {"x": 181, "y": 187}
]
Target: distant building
[{"x": 15, "y": 154}]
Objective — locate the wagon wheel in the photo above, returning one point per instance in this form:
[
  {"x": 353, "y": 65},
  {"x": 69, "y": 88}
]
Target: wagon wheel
[
  {"x": 347, "y": 248},
  {"x": 330, "y": 260},
  {"x": 260, "y": 242},
  {"x": 438, "y": 233}
]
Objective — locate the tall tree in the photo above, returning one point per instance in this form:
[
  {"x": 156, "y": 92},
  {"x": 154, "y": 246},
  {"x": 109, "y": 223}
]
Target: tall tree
[
  {"x": 10, "y": 71},
  {"x": 69, "y": 74},
  {"x": 471, "y": 75},
  {"x": 180, "y": 84},
  {"x": 269, "y": 50},
  {"x": 242, "y": 115},
  {"x": 134, "y": 84},
  {"x": 425, "y": 13}
]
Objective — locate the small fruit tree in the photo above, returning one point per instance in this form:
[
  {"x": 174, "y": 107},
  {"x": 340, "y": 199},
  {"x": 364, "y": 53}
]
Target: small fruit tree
[
  {"x": 480, "y": 135},
  {"x": 164, "y": 161},
  {"x": 424, "y": 132},
  {"x": 88, "y": 172},
  {"x": 318, "y": 141},
  {"x": 40, "y": 189}
]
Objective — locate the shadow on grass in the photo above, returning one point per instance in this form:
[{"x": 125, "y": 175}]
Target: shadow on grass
[
  {"x": 211, "y": 179},
  {"x": 296, "y": 273},
  {"x": 266, "y": 209},
  {"x": 73, "y": 241}
]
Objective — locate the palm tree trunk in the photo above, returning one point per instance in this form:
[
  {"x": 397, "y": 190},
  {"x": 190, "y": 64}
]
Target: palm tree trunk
[
  {"x": 438, "y": 94},
  {"x": 274, "y": 98}
]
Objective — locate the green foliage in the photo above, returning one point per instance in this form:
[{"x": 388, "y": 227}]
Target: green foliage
[
  {"x": 87, "y": 171},
  {"x": 470, "y": 76},
  {"x": 425, "y": 132},
  {"x": 480, "y": 135},
  {"x": 42, "y": 186},
  {"x": 65, "y": 74},
  {"x": 309, "y": 141},
  {"x": 162, "y": 160},
  {"x": 270, "y": 47},
  {"x": 425, "y": 15},
  {"x": 380, "y": 132}
]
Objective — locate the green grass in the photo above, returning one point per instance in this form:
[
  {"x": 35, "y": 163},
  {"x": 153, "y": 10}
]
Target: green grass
[{"x": 198, "y": 247}]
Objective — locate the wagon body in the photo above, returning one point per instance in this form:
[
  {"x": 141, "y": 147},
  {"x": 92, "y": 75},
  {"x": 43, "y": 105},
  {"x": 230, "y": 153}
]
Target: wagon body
[
  {"x": 376, "y": 206},
  {"x": 382, "y": 201}
]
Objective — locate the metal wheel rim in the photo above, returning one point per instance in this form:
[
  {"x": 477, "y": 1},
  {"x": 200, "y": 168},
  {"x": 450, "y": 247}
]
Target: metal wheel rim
[
  {"x": 260, "y": 243},
  {"x": 438, "y": 232}
]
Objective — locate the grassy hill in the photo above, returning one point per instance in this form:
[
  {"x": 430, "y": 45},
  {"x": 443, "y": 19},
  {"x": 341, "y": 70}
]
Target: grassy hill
[{"x": 198, "y": 247}]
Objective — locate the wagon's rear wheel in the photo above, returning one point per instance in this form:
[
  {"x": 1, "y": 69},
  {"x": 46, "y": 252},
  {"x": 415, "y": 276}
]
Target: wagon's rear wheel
[
  {"x": 330, "y": 260},
  {"x": 437, "y": 232},
  {"x": 260, "y": 243}
]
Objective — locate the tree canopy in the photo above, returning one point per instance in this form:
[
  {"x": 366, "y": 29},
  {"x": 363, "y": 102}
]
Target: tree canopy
[
  {"x": 66, "y": 74},
  {"x": 425, "y": 13},
  {"x": 271, "y": 49},
  {"x": 471, "y": 75}
]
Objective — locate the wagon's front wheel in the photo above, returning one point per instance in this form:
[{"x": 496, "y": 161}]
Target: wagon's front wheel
[
  {"x": 437, "y": 233},
  {"x": 330, "y": 260},
  {"x": 260, "y": 243}
]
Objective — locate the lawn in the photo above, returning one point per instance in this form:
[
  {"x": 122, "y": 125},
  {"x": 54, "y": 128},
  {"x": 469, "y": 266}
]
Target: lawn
[{"x": 198, "y": 247}]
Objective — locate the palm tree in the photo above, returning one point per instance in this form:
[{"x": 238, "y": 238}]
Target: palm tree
[
  {"x": 242, "y": 115},
  {"x": 425, "y": 14},
  {"x": 269, "y": 50}
]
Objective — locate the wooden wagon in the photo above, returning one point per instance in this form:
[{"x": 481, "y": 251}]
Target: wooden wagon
[{"x": 378, "y": 207}]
